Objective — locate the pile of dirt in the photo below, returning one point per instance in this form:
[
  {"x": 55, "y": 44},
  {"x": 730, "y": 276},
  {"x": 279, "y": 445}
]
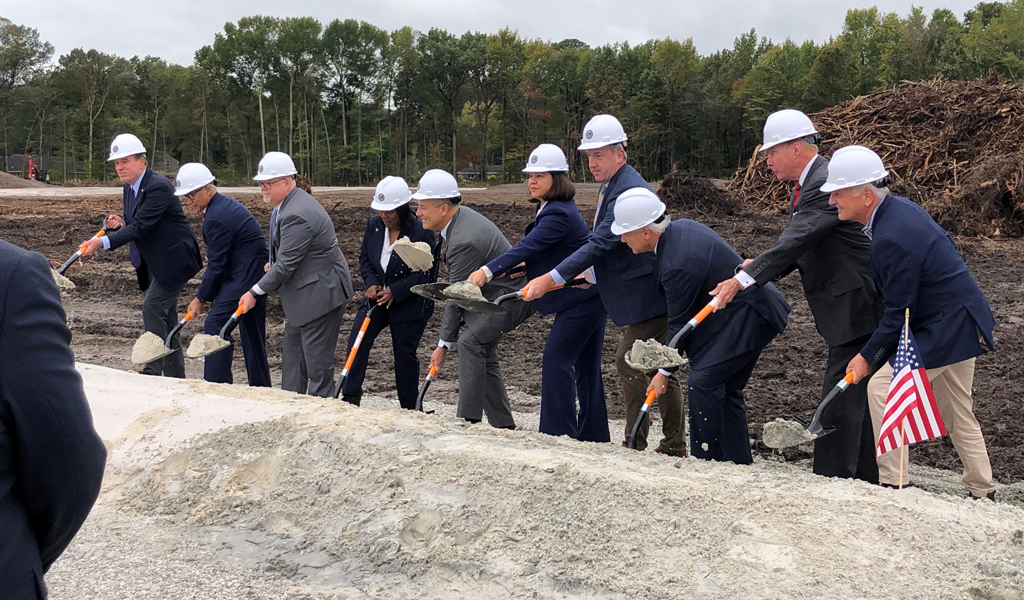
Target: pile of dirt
[
  {"x": 950, "y": 146},
  {"x": 686, "y": 194},
  {"x": 8, "y": 181}
]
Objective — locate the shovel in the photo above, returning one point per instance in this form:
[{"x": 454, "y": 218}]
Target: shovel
[
  {"x": 674, "y": 343},
  {"x": 354, "y": 350},
  {"x": 435, "y": 291},
  {"x": 815, "y": 428},
  {"x": 64, "y": 267},
  {"x": 170, "y": 336},
  {"x": 423, "y": 388},
  {"x": 222, "y": 336},
  {"x": 486, "y": 306}
]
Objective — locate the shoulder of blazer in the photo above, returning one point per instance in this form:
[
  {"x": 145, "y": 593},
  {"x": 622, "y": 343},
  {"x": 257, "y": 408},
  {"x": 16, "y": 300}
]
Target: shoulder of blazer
[{"x": 818, "y": 174}]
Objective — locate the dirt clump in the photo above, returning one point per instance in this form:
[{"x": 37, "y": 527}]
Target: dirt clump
[
  {"x": 464, "y": 290},
  {"x": 149, "y": 347},
  {"x": 204, "y": 344},
  {"x": 648, "y": 355},
  {"x": 62, "y": 282},
  {"x": 415, "y": 254},
  {"x": 686, "y": 194},
  {"x": 785, "y": 433}
]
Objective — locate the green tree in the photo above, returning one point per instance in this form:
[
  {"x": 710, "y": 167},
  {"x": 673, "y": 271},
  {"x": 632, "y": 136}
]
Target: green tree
[{"x": 22, "y": 54}]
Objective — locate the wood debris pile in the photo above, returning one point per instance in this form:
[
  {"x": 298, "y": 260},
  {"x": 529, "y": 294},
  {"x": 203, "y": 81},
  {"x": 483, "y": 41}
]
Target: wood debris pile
[{"x": 688, "y": 195}]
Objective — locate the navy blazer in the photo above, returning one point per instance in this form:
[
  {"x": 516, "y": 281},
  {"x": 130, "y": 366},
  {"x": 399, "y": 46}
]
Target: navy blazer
[
  {"x": 692, "y": 260},
  {"x": 235, "y": 250},
  {"x": 398, "y": 277},
  {"x": 916, "y": 266},
  {"x": 555, "y": 232},
  {"x": 51, "y": 458},
  {"x": 160, "y": 230},
  {"x": 627, "y": 282}
]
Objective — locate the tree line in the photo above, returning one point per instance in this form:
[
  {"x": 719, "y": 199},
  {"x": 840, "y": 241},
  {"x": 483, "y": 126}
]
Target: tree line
[{"x": 352, "y": 102}]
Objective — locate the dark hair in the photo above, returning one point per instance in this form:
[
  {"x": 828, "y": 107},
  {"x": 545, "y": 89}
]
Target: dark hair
[
  {"x": 405, "y": 217},
  {"x": 562, "y": 190},
  {"x": 303, "y": 184}
]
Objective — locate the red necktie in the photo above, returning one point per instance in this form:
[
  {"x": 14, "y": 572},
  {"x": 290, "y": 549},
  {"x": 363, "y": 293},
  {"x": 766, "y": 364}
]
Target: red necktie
[{"x": 796, "y": 195}]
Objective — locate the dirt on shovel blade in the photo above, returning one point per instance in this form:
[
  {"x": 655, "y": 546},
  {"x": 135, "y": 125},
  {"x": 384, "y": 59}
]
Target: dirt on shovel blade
[
  {"x": 649, "y": 355},
  {"x": 62, "y": 282},
  {"x": 204, "y": 344},
  {"x": 149, "y": 347},
  {"x": 415, "y": 254},
  {"x": 784, "y": 433},
  {"x": 464, "y": 290}
]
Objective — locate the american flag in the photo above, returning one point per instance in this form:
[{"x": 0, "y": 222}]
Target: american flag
[{"x": 910, "y": 405}]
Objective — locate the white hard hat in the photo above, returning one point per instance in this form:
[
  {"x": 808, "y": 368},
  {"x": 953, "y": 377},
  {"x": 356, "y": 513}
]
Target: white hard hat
[
  {"x": 274, "y": 165},
  {"x": 636, "y": 208},
  {"x": 546, "y": 158},
  {"x": 124, "y": 145},
  {"x": 391, "y": 193},
  {"x": 436, "y": 184},
  {"x": 785, "y": 126},
  {"x": 852, "y": 166},
  {"x": 191, "y": 177},
  {"x": 601, "y": 131}
]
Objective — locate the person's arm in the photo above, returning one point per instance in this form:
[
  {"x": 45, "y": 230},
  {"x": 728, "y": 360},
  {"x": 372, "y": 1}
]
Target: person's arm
[
  {"x": 296, "y": 236},
  {"x": 219, "y": 238},
  {"x": 548, "y": 231},
  {"x": 156, "y": 201},
  {"x": 58, "y": 456},
  {"x": 899, "y": 273},
  {"x": 815, "y": 219},
  {"x": 401, "y": 289},
  {"x": 460, "y": 265},
  {"x": 599, "y": 243}
]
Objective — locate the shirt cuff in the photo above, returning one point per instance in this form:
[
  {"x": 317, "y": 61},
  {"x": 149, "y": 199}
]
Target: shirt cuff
[
  {"x": 744, "y": 279},
  {"x": 444, "y": 344},
  {"x": 106, "y": 242},
  {"x": 487, "y": 272},
  {"x": 257, "y": 290},
  {"x": 666, "y": 373},
  {"x": 559, "y": 280}
]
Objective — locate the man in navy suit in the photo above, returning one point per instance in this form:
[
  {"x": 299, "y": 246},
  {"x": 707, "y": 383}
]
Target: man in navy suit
[
  {"x": 627, "y": 282},
  {"x": 162, "y": 246},
  {"x": 51, "y": 458},
  {"x": 235, "y": 255},
  {"x": 388, "y": 282},
  {"x": 917, "y": 267},
  {"x": 723, "y": 350}
]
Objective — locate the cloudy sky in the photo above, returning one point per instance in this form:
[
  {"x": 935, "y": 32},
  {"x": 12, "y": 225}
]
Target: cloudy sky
[{"x": 177, "y": 29}]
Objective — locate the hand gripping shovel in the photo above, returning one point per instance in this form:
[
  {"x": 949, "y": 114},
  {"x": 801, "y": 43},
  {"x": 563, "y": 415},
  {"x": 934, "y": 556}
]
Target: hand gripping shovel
[
  {"x": 486, "y": 306},
  {"x": 673, "y": 343},
  {"x": 204, "y": 345},
  {"x": 64, "y": 267},
  {"x": 780, "y": 434},
  {"x": 355, "y": 349},
  {"x": 423, "y": 388}
]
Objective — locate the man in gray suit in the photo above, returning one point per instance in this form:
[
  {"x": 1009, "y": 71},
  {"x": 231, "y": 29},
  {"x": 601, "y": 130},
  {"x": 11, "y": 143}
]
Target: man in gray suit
[
  {"x": 470, "y": 241},
  {"x": 309, "y": 272},
  {"x": 835, "y": 267}
]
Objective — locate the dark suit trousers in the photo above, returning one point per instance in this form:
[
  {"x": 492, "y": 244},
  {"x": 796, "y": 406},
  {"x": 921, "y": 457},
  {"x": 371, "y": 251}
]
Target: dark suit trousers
[
  {"x": 849, "y": 451},
  {"x": 634, "y": 389},
  {"x": 718, "y": 414},
  {"x": 571, "y": 370},
  {"x": 252, "y": 329},
  {"x": 160, "y": 316},
  {"x": 307, "y": 355},
  {"x": 405, "y": 339}
]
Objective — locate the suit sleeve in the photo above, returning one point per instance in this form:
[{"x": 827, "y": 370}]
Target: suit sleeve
[
  {"x": 599, "y": 243},
  {"x": 401, "y": 289},
  {"x": 809, "y": 225},
  {"x": 58, "y": 456},
  {"x": 366, "y": 270},
  {"x": 460, "y": 264},
  {"x": 218, "y": 237},
  {"x": 900, "y": 276},
  {"x": 296, "y": 237},
  {"x": 157, "y": 200},
  {"x": 549, "y": 230}
]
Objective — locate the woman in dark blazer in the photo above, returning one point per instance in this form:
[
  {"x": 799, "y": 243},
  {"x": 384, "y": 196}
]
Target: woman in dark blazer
[
  {"x": 572, "y": 355},
  {"x": 388, "y": 281}
]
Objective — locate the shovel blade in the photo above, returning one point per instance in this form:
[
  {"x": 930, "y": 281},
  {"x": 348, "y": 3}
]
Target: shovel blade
[{"x": 431, "y": 291}]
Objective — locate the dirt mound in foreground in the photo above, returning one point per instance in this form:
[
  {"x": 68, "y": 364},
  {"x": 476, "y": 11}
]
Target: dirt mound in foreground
[{"x": 951, "y": 146}]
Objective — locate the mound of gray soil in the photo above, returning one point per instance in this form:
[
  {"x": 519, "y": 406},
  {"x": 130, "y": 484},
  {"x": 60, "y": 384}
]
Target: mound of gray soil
[
  {"x": 464, "y": 290},
  {"x": 415, "y": 254},
  {"x": 62, "y": 282},
  {"x": 650, "y": 355},
  {"x": 148, "y": 347},
  {"x": 204, "y": 344},
  {"x": 784, "y": 433},
  {"x": 8, "y": 181}
]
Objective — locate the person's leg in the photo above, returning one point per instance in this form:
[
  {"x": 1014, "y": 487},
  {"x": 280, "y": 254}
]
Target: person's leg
[
  {"x": 593, "y": 416},
  {"x": 634, "y": 387},
  {"x": 952, "y": 388},
  {"x": 634, "y": 390},
  {"x": 293, "y": 362},
  {"x": 217, "y": 366},
  {"x": 496, "y": 404},
  {"x": 405, "y": 341},
  {"x": 718, "y": 419},
  {"x": 558, "y": 376},
  {"x": 735, "y": 432},
  {"x": 472, "y": 376},
  {"x": 352, "y": 391},
  {"x": 319, "y": 343},
  {"x": 160, "y": 316},
  {"x": 252, "y": 330},
  {"x": 889, "y": 468},
  {"x": 847, "y": 451}
]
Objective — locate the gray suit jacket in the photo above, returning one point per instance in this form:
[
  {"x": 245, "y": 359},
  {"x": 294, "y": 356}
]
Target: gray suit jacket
[
  {"x": 472, "y": 242},
  {"x": 308, "y": 270}
]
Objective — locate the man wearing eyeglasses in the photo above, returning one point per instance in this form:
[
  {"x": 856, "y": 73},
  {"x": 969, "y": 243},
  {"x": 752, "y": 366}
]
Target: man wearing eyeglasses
[{"x": 309, "y": 272}]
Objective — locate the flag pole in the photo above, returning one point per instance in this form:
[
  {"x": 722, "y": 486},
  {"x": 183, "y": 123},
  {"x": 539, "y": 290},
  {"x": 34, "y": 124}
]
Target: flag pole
[{"x": 903, "y": 424}]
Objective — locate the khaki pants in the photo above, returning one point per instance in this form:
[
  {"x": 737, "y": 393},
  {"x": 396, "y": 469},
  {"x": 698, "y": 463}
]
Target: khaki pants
[
  {"x": 634, "y": 390},
  {"x": 952, "y": 387}
]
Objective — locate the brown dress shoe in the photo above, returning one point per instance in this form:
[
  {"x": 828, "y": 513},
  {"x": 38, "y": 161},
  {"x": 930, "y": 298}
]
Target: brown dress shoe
[{"x": 667, "y": 452}]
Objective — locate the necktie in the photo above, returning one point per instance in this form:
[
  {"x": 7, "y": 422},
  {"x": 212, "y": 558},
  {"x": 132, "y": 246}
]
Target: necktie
[
  {"x": 600, "y": 201},
  {"x": 796, "y": 195},
  {"x": 273, "y": 225},
  {"x": 133, "y": 251}
]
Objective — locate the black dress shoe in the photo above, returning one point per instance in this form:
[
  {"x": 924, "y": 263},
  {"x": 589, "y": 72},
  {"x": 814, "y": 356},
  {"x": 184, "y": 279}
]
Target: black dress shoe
[
  {"x": 351, "y": 399},
  {"x": 991, "y": 496},
  {"x": 893, "y": 486}
]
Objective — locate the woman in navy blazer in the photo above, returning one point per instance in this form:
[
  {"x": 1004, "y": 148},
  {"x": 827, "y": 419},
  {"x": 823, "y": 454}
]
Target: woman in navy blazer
[
  {"x": 388, "y": 281},
  {"x": 572, "y": 355}
]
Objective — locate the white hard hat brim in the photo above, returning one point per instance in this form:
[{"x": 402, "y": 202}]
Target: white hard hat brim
[
  {"x": 545, "y": 170},
  {"x": 595, "y": 145},
  {"x": 186, "y": 189},
  {"x": 378, "y": 205}
]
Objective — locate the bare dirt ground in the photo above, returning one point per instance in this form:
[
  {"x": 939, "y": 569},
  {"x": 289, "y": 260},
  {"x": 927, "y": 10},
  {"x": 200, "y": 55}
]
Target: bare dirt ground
[{"x": 104, "y": 313}]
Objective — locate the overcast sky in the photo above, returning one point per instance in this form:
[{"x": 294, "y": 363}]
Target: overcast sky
[{"x": 175, "y": 30}]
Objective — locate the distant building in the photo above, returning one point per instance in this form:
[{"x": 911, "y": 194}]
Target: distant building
[
  {"x": 472, "y": 172},
  {"x": 163, "y": 163},
  {"x": 16, "y": 164}
]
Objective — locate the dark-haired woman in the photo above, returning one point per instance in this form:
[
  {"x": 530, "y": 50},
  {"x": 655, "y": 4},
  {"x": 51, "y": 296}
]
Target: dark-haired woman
[
  {"x": 388, "y": 281},
  {"x": 572, "y": 354}
]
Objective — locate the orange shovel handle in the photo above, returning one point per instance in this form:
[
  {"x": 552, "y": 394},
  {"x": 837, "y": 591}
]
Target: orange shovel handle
[{"x": 99, "y": 234}]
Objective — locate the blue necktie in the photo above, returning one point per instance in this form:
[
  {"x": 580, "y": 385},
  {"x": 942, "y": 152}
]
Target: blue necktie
[
  {"x": 133, "y": 250},
  {"x": 273, "y": 224}
]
